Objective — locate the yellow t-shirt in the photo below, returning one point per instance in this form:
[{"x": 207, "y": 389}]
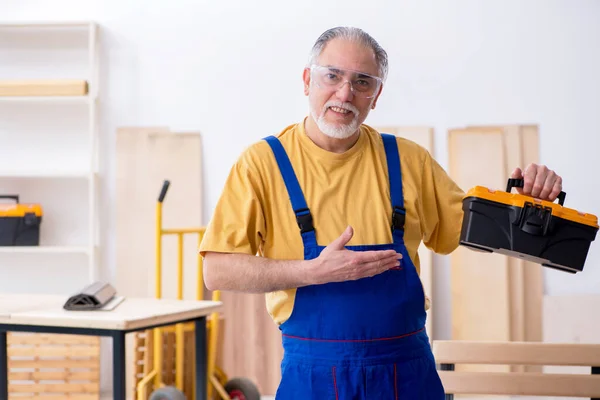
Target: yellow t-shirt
[{"x": 254, "y": 214}]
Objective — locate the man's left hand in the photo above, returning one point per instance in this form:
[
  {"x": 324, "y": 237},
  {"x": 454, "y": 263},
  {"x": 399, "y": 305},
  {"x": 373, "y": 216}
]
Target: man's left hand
[{"x": 539, "y": 182}]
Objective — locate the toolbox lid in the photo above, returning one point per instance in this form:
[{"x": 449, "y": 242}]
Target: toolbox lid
[
  {"x": 519, "y": 200},
  {"x": 19, "y": 210}
]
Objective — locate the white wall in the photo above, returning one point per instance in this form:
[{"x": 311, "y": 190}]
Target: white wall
[{"x": 232, "y": 69}]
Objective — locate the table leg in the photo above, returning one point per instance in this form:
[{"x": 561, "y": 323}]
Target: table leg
[
  {"x": 3, "y": 366},
  {"x": 595, "y": 371},
  {"x": 201, "y": 359},
  {"x": 448, "y": 367},
  {"x": 118, "y": 338}
]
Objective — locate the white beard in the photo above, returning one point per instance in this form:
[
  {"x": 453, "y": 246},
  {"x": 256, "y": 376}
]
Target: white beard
[{"x": 336, "y": 131}]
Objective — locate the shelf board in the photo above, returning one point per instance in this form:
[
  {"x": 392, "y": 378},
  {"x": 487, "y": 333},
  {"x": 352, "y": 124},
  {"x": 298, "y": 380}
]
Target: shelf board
[
  {"x": 45, "y": 24},
  {"x": 45, "y": 174},
  {"x": 44, "y": 249},
  {"x": 45, "y": 99}
]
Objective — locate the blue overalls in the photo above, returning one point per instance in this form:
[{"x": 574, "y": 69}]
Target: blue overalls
[{"x": 362, "y": 339}]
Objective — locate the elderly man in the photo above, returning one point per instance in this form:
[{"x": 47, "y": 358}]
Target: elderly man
[{"x": 336, "y": 254}]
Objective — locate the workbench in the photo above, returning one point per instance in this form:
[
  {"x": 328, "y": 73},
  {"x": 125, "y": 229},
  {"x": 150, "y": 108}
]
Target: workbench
[{"x": 45, "y": 314}]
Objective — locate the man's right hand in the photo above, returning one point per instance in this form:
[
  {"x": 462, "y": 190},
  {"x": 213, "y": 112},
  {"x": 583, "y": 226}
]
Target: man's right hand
[{"x": 338, "y": 264}]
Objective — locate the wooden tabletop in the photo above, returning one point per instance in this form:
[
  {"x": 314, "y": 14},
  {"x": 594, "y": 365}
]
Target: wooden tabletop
[
  {"x": 13, "y": 303},
  {"x": 132, "y": 313}
]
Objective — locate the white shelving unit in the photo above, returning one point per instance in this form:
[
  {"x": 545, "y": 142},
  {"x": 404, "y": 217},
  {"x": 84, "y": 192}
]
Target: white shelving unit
[{"x": 49, "y": 149}]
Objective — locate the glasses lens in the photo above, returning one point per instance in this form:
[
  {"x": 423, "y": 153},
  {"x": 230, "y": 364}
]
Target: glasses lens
[{"x": 333, "y": 78}]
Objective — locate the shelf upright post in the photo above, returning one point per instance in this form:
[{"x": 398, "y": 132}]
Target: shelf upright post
[{"x": 93, "y": 217}]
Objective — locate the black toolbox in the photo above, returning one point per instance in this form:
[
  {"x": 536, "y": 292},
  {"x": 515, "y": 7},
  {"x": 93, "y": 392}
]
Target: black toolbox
[
  {"x": 516, "y": 225},
  {"x": 19, "y": 223}
]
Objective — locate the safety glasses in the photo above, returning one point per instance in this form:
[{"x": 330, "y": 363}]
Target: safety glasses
[{"x": 333, "y": 78}]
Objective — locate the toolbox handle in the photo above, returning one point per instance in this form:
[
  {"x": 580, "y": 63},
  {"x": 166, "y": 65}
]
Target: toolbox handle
[
  {"x": 163, "y": 191},
  {"x": 519, "y": 183},
  {"x": 10, "y": 196}
]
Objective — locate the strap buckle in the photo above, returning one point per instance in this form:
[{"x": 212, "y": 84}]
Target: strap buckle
[
  {"x": 398, "y": 218},
  {"x": 304, "y": 220}
]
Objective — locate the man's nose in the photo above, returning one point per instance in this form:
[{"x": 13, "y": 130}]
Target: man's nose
[{"x": 344, "y": 93}]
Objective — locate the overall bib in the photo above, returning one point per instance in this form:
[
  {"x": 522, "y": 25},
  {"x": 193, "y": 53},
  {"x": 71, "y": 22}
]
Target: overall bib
[{"x": 362, "y": 339}]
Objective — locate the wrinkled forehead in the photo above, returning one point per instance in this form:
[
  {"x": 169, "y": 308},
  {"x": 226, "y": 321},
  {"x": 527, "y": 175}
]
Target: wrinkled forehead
[{"x": 349, "y": 55}]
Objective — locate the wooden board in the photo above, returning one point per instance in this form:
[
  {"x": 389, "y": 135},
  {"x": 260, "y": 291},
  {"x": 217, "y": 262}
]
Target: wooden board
[
  {"x": 521, "y": 147},
  {"x": 479, "y": 281},
  {"x": 513, "y": 151},
  {"x": 145, "y": 156},
  {"x": 132, "y": 313},
  {"x": 516, "y": 288},
  {"x": 552, "y": 383},
  {"x": 13, "y": 303},
  {"x": 135, "y": 205},
  {"x": 521, "y": 384},
  {"x": 423, "y": 136},
  {"x": 533, "y": 273},
  {"x": 57, "y": 87},
  {"x": 252, "y": 342},
  {"x": 57, "y": 366}
]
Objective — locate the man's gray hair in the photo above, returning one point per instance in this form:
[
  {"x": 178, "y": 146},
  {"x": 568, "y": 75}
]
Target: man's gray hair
[{"x": 354, "y": 34}]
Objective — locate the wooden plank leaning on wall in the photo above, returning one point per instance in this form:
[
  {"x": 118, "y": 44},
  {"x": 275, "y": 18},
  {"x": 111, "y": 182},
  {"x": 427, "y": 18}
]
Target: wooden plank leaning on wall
[
  {"x": 252, "y": 342},
  {"x": 145, "y": 156},
  {"x": 494, "y": 297}
]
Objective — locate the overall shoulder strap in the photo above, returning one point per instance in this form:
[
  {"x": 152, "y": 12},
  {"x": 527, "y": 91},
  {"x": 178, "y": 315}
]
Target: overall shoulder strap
[
  {"x": 301, "y": 210},
  {"x": 395, "y": 176}
]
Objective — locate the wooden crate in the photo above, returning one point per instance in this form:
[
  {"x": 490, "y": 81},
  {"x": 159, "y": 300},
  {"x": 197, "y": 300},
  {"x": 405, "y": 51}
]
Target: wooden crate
[
  {"x": 53, "y": 366},
  {"x": 144, "y": 359}
]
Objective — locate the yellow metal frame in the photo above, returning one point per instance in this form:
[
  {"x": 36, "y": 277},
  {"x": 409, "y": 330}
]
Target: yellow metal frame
[{"x": 216, "y": 377}]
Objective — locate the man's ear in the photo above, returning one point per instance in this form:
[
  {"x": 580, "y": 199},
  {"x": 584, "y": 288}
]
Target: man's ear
[
  {"x": 306, "y": 79},
  {"x": 376, "y": 98}
]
